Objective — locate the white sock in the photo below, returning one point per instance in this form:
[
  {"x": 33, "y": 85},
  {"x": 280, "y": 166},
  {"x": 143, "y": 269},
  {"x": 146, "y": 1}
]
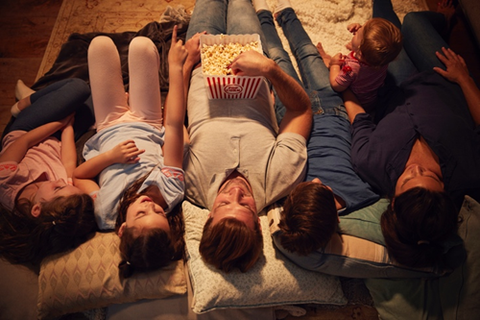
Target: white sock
[
  {"x": 14, "y": 110},
  {"x": 282, "y": 4},
  {"x": 260, "y": 5},
  {"x": 22, "y": 91}
]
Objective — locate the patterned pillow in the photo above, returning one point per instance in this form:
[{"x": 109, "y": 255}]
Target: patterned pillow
[
  {"x": 273, "y": 281},
  {"x": 87, "y": 278}
]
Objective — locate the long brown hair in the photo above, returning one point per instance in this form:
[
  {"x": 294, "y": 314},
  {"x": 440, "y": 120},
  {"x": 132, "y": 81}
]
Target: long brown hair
[
  {"x": 309, "y": 218},
  {"x": 154, "y": 248},
  {"x": 63, "y": 224}
]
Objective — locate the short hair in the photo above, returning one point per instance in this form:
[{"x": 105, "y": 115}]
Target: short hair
[
  {"x": 63, "y": 224},
  {"x": 150, "y": 249},
  {"x": 382, "y": 42},
  {"x": 415, "y": 225},
  {"x": 231, "y": 244},
  {"x": 309, "y": 218}
]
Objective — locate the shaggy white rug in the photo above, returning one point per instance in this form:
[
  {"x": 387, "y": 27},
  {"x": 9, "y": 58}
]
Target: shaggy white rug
[{"x": 326, "y": 20}]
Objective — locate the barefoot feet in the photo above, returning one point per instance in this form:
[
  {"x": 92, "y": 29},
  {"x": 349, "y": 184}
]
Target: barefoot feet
[
  {"x": 325, "y": 56},
  {"x": 447, "y": 8}
]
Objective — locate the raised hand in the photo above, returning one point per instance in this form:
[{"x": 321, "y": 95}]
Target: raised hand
[
  {"x": 193, "y": 48},
  {"x": 177, "y": 54}
]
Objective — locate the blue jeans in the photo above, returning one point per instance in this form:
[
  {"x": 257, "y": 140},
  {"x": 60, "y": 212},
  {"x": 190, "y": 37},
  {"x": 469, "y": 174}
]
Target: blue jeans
[
  {"x": 314, "y": 73},
  {"x": 56, "y": 102},
  {"x": 224, "y": 16}
]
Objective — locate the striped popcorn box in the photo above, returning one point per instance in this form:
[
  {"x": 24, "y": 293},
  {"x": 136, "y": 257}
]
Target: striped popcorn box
[{"x": 217, "y": 52}]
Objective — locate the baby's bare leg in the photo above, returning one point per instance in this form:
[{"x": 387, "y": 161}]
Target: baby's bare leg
[{"x": 325, "y": 56}]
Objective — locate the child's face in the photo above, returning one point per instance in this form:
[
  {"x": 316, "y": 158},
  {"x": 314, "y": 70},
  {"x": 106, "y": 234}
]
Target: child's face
[
  {"x": 357, "y": 40},
  {"x": 144, "y": 213},
  {"x": 48, "y": 190}
]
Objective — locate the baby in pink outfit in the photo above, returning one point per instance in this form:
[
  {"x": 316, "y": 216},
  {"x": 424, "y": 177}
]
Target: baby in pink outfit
[{"x": 374, "y": 45}]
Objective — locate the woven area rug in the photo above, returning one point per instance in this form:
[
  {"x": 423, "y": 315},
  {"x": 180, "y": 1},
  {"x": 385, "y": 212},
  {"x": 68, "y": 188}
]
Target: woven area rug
[{"x": 84, "y": 16}]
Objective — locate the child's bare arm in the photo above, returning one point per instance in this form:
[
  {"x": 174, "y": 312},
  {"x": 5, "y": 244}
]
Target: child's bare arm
[
  {"x": 86, "y": 185},
  {"x": 69, "y": 152},
  {"x": 174, "y": 111},
  {"x": 335, "y": 66},
  {"x": 124, "y": 152},
  {"x": 17, "y": 150}
]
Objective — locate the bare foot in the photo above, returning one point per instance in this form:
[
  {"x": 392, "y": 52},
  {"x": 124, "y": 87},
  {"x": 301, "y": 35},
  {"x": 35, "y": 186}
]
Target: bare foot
[
  {"x": 325, "y": 56},
  {"x": 447, "y": 8}
]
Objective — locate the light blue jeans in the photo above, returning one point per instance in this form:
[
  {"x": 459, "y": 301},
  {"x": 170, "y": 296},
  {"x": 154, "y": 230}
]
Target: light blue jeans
[
  {"x": 224, "y": 16},
  {"x": 313, "y": 72}
]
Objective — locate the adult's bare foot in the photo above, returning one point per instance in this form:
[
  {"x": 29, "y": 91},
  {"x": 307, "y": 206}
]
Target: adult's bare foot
[
  {"x": 325, "y": 56},
  {"x": 447, "y": 8}
]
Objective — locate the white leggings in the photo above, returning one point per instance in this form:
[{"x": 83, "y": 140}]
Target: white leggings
[{"x": 109, "y": 99}]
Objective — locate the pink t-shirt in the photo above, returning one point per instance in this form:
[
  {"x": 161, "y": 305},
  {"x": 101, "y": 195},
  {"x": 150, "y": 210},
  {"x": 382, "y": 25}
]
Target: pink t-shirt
[
  {"x": 42, "y": 162},
  {"x": 362, "y": 79}
]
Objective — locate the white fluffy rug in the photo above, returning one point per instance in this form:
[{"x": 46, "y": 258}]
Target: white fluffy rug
[{"x": 326, "y": 20}]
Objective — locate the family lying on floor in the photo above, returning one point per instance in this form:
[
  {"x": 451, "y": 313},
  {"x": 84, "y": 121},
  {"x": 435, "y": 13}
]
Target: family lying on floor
[{"x": 397, "y": 117}]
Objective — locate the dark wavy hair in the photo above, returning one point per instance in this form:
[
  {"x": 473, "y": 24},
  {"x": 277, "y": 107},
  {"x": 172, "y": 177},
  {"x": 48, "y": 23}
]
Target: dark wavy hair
[
  {"x": 231, "y": 244},
  {"x": 64, "y": 223},
  {"x": 150, "y": 249},
  {"x": 416, "y": 223},
  {"x": 309, "y": 218},
  {"x": 382, "y": 42}
]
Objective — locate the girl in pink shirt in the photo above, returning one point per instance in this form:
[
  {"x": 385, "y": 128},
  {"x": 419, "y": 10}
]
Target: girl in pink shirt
[{"x": 41, "y": 212}]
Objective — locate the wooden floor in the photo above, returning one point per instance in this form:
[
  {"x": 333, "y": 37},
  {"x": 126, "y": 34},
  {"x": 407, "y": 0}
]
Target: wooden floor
[{"x": 26, "y": 26}]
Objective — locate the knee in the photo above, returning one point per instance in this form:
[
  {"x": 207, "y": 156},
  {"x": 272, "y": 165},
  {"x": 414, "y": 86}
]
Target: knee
[
  {"x": 411, "y": 17},
  {"x": 101, "y": 44},
  {"x": 78, "y": 88},
  {"x": 140, "y": 43}
]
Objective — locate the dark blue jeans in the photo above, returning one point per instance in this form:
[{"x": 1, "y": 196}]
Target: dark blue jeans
[
  {"x": 56, "y": 102},
  {"x": 421, "y": 39}
]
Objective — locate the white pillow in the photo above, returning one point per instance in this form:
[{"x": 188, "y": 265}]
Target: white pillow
[{"x": 273, "y": 281}]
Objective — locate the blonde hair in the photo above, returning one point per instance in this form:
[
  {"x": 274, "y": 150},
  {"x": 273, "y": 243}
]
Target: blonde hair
[{"x": 382, "y": 42}]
